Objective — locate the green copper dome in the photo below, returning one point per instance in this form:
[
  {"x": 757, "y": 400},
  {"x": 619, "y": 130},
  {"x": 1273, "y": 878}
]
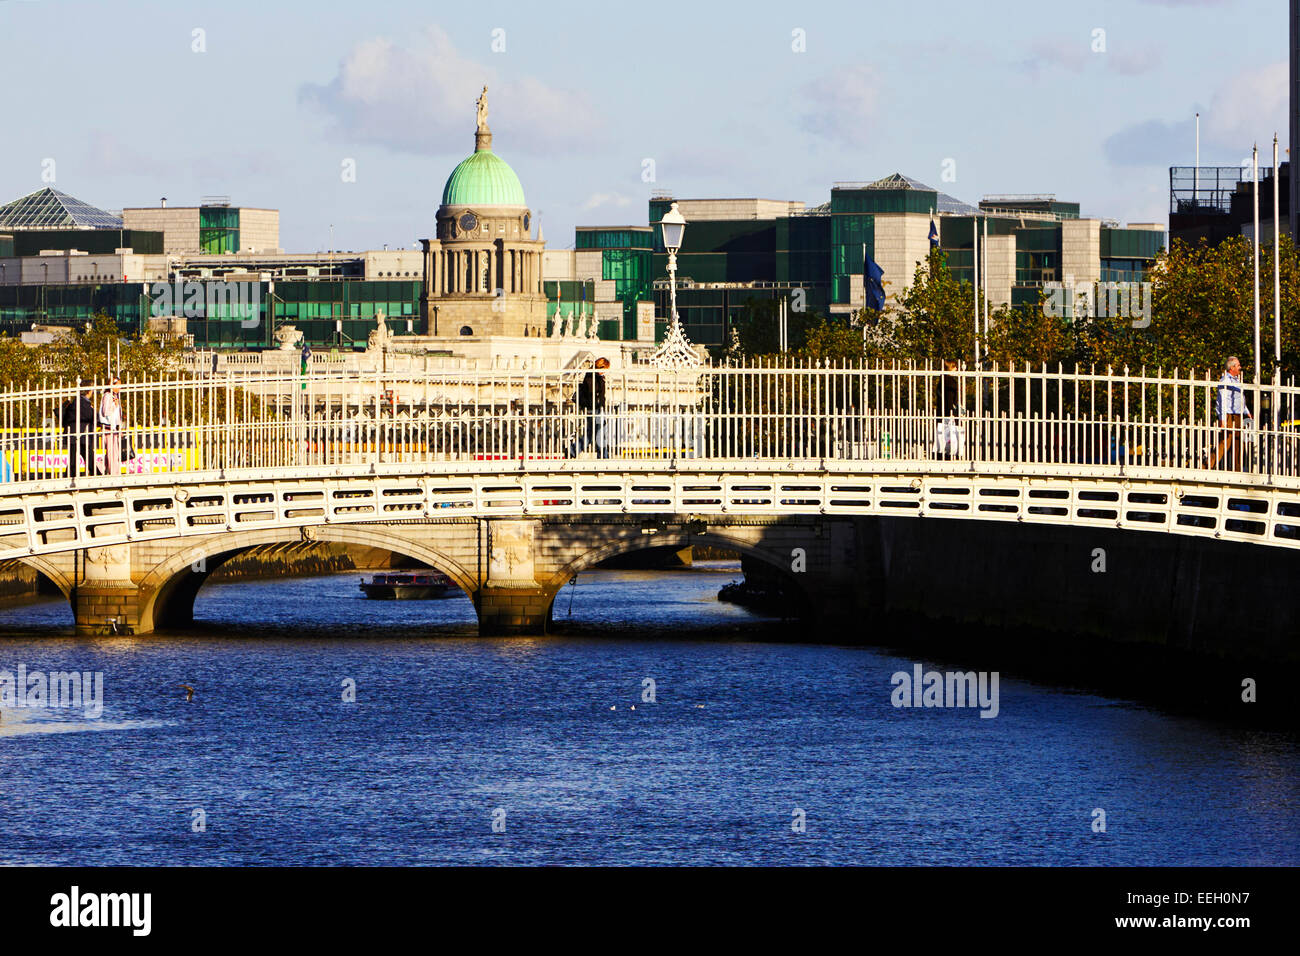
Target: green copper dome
[{"x": 483, "y": 179}]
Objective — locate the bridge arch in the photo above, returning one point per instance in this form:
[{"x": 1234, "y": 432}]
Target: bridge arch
[
  {"x": 779, "y": 562},
  {"x": 169, "y": 588},
  {"x": 50, "y": 571}
]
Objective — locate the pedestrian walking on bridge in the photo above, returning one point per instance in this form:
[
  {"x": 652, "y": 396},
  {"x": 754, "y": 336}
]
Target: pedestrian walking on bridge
[
  {"x": 1233, "y": 413},
  {"x": 591, "y": 406}
]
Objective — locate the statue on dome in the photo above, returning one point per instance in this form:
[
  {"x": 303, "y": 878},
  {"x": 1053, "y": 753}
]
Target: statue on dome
[{"x": 482, "y": 110}]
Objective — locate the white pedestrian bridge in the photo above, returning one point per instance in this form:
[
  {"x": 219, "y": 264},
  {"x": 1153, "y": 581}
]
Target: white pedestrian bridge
[{"x": 214, "y": 463}]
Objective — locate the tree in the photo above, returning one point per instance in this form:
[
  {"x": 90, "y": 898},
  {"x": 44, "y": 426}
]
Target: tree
[
  {"x": 833, "y": 341},
  {"x": 758, "y": 327},
  {"x": 19, "y": 363},
  {"x": 1029, "y": 334},
  {"x": 1203, "y": 307},
  {"x": 85, "y": 353},
  {"x": 935, "y": 315}
]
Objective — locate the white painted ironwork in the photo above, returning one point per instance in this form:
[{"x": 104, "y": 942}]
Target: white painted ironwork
[
  {"x": 214, "y": 452},
  {"x": 675, "y": 351}
]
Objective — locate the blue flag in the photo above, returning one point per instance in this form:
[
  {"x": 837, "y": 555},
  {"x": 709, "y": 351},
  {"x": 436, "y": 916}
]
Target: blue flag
[
  {"x": 934, "y": 234},
  {"x": 873, "y": 284}
]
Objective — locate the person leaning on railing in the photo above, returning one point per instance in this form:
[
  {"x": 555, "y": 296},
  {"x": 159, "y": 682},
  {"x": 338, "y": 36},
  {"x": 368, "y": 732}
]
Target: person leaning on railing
[
  {"x": 1233, "y": 412},
  {"x": 78, "y": 421}
]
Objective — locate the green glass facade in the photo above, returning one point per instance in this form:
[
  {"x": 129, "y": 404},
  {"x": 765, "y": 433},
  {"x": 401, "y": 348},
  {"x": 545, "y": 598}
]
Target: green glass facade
[
  {"x": 23, "y": 305},
  {"x": 218, "y": 229},
  {"x": 803, "y": 247},
  {"x": 1124, "y": 270},
  {"x": 626, "y": 260},
  {"x": 313, "y": 307},
  {"x": 1038, "y": 255},
  {"x": 852, "y": 235},
  {"x": 1130, "y": 243}
]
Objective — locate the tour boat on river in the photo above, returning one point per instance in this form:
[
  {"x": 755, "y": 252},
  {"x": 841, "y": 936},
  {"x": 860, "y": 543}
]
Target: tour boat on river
[{"x": 408, "y": 586}]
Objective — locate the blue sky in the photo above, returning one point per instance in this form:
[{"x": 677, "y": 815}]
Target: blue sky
[{"x": 284, "y": 94}]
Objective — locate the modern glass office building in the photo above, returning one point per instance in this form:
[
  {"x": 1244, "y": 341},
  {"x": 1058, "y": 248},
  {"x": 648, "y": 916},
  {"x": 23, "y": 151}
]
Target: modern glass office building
[{"x": 738, "y": 251}]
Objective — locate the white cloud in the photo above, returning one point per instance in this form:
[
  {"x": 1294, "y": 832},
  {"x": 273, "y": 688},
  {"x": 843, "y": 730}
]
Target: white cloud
[
  {"x": 419, "y": 98},
  {"x": 1249, "y": 108},
  {"x": 109, "y": 153},
  {"x": 1133, "y": 62},
  {"x": 1077, "y": 55},
  {"x": 842, "y": 105},
  {"x": 599, "y": 200},
  {"x": 1057, "y": 52}
]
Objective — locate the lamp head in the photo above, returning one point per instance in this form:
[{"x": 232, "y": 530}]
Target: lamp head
[{"x": 673, "y": 227}]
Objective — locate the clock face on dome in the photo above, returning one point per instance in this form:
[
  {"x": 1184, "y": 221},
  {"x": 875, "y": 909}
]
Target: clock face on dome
[
  {"x": 526, "y": 221},
  {"x": 468, "y": 222}
]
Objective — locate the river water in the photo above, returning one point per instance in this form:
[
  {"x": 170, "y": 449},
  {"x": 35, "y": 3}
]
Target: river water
[{"x": 764, "y": 744}]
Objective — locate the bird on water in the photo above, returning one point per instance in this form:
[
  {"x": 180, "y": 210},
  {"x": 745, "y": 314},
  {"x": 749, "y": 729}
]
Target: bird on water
[{"x": 189, "y": 692}]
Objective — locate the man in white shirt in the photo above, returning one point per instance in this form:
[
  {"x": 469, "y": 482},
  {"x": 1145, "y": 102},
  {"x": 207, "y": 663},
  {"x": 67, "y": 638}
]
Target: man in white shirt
[{"x": 1232, "y": 412}]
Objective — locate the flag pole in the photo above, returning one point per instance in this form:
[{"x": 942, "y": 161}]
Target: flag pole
[
  {"x": 1277, "y": 269},
  {"x": 1255, "y": 196},
  {"x": 986, "y": 283},
  {"x": 1196, "y": 170},
  {"x": 975, "y": 261},
  {"x": 1277, "y": 294},
  {"x": 864, "y": 297}
]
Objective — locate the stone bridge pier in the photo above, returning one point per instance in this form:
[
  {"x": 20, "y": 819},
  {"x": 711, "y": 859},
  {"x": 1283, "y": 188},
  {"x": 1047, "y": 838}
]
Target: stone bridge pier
[{"x": 511, "y": 568}]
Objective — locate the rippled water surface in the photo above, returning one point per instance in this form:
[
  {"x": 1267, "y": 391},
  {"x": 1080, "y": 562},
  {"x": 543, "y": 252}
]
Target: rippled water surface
[{"x": 750, "y": 725}]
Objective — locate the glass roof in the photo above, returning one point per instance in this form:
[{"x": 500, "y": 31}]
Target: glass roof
[
  {"x": 897, "y": 181},
  {"x": 50, "y": 209}
]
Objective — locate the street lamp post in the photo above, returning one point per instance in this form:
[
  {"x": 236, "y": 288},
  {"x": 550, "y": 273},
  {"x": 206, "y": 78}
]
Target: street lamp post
[
  {"x": 673, "y": 226},
  {"x": 676, "y": 349}
]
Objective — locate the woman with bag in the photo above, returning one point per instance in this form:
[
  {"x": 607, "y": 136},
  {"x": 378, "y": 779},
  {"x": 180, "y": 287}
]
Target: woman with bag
[{"x": 110, "y": 425}]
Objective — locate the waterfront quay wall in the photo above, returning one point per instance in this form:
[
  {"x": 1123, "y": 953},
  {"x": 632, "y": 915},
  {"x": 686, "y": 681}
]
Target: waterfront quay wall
[{"x": 1193, "y": 596}]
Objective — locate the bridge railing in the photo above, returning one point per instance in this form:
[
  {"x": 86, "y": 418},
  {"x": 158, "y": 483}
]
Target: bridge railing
[{"x": 536, "y": 420}]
